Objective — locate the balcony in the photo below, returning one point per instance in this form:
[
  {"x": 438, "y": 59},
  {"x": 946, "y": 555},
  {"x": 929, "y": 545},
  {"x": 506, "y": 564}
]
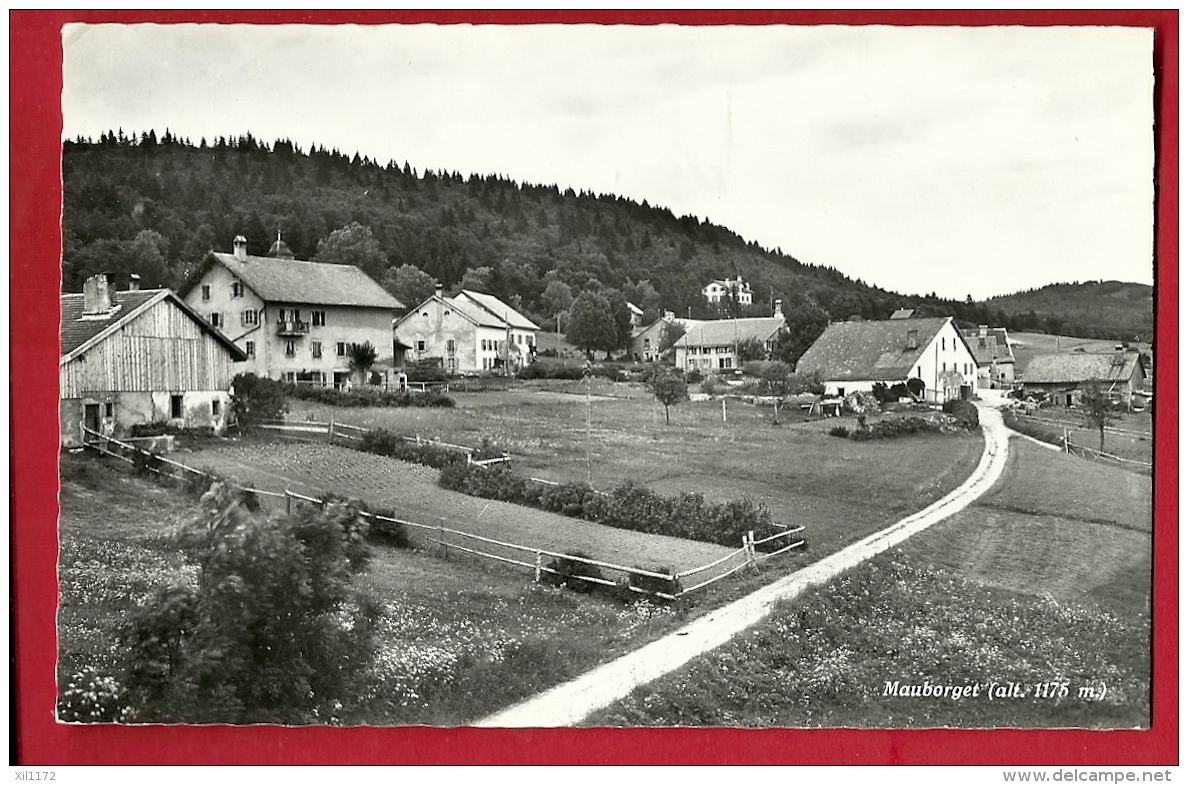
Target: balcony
[{"x": 290, "y": 329}]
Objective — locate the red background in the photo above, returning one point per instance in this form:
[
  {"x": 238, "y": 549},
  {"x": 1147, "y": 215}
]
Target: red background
[{"x": 35, "y": 254}]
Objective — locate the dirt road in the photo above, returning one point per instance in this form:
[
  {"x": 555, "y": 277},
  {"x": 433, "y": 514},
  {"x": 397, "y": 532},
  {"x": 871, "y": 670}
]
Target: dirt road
[{"x": 568, "y": 704}]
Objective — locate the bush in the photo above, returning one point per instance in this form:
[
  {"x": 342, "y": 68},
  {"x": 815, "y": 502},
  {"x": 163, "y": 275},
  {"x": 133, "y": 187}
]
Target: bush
[
  {"x": 667, "y": 585},
  {"x": 255, "y": 399},
  {"x": 90, "y": 697},
  {"x": 384, "y": 442},
  {"x": 147, "y": 464},
  {"x": 964, "y": 412},
  {"x": 840, "y": 431},
  {"x": 391, "y": 532},
  {"x": 895, "y": 427},
  {"x": 694, "y": 376},
  {"x": 566, "y": 571},
  {"x": 370, "y": 396},
  {"x": 1033, "y": 429},
  {"x": 541, "y": 370}
]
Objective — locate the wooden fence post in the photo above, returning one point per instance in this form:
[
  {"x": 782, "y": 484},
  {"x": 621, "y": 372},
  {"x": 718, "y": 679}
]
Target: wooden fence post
[
  {"x": 538, "y": 565},
  {"x": 288, "y": 503},
  {"x": 330, "y": 429}
]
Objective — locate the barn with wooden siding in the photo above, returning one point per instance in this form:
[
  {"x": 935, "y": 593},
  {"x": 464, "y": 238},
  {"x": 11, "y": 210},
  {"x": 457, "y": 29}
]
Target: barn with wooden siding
[{"x": 139, "y": 356}]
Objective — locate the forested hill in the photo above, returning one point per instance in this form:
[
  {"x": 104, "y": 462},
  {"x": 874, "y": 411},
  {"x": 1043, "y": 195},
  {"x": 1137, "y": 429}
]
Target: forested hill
[
  {"x": 1094, "y": 309},
  {"x": 155, "y": 206}
]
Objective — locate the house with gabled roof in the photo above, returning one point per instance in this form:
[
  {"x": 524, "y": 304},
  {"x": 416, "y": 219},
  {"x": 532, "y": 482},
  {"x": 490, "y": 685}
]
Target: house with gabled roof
[
  {"x": 1063, "y": 377},
  {"x": 295, "y": 320},
  {"x": 648, "y": 344},
  {"x": 996, "y": 359},
  {"x": 712, "y": 346},
  {"x": 719, "y": 291},
  {"x": 471, "y": 332},
  {"x": 136, "y": 357},
  {"x": 853, "y": 356}
]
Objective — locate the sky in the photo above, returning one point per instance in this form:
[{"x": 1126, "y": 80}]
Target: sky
[{"x": 961, "y": 161}]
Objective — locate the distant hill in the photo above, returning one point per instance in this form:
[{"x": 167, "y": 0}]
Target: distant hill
[
  {"x": 1095, "y": 309},
  {"x": 154, "y": 206}
]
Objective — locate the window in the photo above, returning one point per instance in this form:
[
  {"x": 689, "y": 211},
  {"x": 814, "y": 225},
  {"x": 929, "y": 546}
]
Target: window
[
  {"x": 318, "y": 318},
  {"x": 205, "y": 293},
  {"x": 316, "y": 348},
  {"x": 447, "y": 313},
  {"x": 340, "y": 348},
  {"x": 290, "y": 348},
  {"x": 250, "y": 316},
  {"x": 236, "y": 289},
  {"x": 420, "y": 346},
  {"x": 216, "y": 319},
  {"x": 175, "y": 406},
  {"x": 249, "y": 348},
  {"x": 450, "y": 346},
  {"x": 109, "y": 409},
  {"x": 216, "y": 407},
  {"x": 291, "y": 377}
]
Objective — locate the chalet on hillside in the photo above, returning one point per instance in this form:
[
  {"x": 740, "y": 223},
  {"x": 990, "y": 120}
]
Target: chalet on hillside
[
  {"x": 139, "y": 356},
  {"x": 295, "y": 320},
  {"x": 471, "y": 332},
  {"x": 1063, "y": 377},
  {"x": 713, "y": 346},
  {"x": 996, "y": 360},
  {"x": 852, "y": 356}
]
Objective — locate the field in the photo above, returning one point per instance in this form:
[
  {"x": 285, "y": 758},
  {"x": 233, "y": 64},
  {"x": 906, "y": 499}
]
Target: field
[
  {"x": 458, "y": 639},
  {"x": 1129, "y": 436},
  {"x": 839, "y": 489},
  {"x": 1047, "y": 578}
]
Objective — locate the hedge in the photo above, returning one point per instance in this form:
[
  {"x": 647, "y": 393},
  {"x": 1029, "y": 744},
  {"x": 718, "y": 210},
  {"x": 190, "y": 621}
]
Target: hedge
[
  {"x": 964, "y": 412},
  {"x": 629, "y": 506},
  {"x": 384, "y": 442},
  {"x": 1033, "y": 429},
  {"x": 369, "y": 396},
  {"x": 896, "y": 427}
]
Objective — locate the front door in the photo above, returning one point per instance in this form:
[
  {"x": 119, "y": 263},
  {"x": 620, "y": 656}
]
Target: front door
[{"x": 91, "y": 420}]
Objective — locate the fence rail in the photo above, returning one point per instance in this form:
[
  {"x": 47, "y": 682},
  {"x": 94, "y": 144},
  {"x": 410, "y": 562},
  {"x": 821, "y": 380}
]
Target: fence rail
[
  {"x": 1075, "y": 426},
  {"x": 748, "y": 557},
  {"x": 354, "y": 433},
  {"x": 1065, "y": 443}
]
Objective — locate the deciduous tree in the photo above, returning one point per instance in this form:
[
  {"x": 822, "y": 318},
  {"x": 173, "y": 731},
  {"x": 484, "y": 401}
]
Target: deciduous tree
[{"x": 669, "y": 389}]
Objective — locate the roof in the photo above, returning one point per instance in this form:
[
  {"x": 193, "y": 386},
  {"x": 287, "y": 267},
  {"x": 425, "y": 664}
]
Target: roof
[
  {"x": 1079, "y": 367},
  {"x": 903, "y": 313},
  {"x": 876, "y": 350},
  {"x": 498, "y": 308},
  {"x": 467, "y": 309},
  {"x": 679, "y": 321},
  {"x": 295, "y": 281},
  {"x": 994, "y": 346},
  {"x": 79, "y": 333},
  {"x": 723, "y": 332}
]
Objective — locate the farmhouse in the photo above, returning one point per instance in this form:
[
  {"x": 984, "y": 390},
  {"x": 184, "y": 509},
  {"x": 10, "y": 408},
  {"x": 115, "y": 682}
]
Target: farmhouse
[
  {"x": 139, "y": 356},
  {"x": 294, "y": 320},
  {"x": 996, "y": 360},
  {"x": 647, "y": 343},
  {"x": 1063, "y": 376},
  {"x": 470, "y": 332},
  {"x": 717, "y": 291},
  {"x": 713, "y": 345},
  {"x": 852, "y": 356}
]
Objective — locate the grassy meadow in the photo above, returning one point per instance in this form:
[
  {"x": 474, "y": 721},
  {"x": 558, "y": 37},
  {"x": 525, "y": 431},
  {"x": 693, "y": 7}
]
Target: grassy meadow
[{"x": 1045, "y": 579}]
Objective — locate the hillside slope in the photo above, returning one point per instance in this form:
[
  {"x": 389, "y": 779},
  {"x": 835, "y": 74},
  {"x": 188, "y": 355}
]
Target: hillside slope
[{"x": 155, "y": 206}]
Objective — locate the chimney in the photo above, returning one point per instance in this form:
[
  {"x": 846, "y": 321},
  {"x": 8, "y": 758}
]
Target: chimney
[
  {"x": 1119, "y": 354},
  {"x": 982, "y": 330},
  {"x": 134, "y": 283},
  {"x": 913, "y": 339},
  {"x": 779, "y": 308},
  {"x": 96, "y": 296},
  {"x": 438, "y": 291},
  {"x": 240, "y": 247}
]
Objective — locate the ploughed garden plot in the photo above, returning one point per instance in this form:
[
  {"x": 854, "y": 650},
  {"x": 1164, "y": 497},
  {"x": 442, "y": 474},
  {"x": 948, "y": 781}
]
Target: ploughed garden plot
[{"x": 412, "y": 493}]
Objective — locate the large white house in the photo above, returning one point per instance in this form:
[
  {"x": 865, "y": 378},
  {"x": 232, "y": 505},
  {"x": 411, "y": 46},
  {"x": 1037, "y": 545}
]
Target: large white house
[
  {"x": 712, "y": 346},
  {"x": 718, "y": 291},
  {"x": 852, "y": 356},
  {"x": 295, "y": 320},
  {"x": 470, "y": 332}
]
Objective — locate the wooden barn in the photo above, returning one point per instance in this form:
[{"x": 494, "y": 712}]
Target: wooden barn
[
  {"x": 1063, "y": 377},
  {"x": 139, "y": 356}
]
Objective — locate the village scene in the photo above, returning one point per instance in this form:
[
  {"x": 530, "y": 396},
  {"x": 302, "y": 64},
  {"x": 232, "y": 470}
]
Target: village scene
[{"x": 348, "y": 442}]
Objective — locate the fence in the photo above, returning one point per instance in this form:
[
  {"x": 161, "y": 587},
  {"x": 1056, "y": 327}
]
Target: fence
[
  {"x": 353, "y": 436},
  {"x": 1065, "y": 442},
  {"x": 512, "y": 553},
  {"x": 1072, "y": 425}
]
